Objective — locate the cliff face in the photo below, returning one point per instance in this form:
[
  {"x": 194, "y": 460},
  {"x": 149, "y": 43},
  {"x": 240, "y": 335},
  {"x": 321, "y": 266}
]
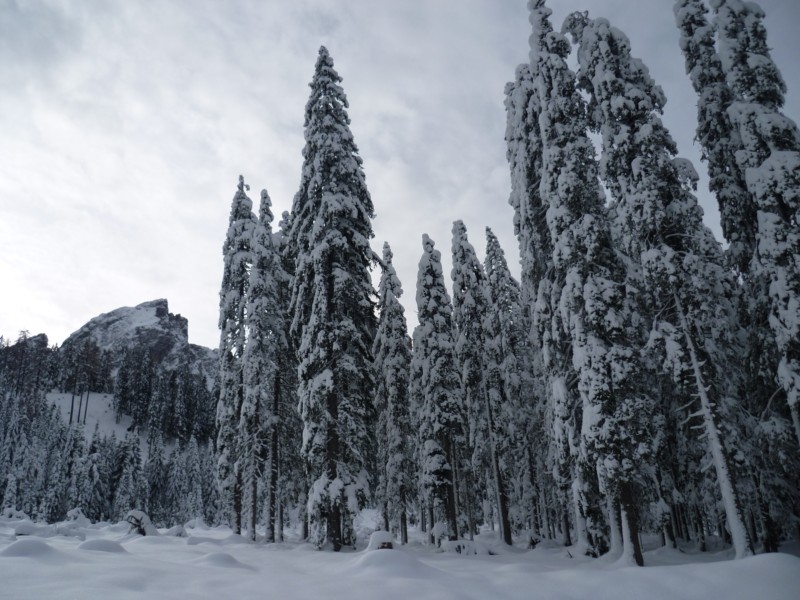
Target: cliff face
[{"x": 149, "y": 325}]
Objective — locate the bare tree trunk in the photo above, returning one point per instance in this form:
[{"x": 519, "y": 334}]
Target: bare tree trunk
[
  {"x": 274, "y": 461},
  {"x": 80, "y": 405},
  {"x": 615, "y": 537},
  {"x": 431, "y": 537},
  {"x": 72, "y": 405},
  {"x": 451, "y": 494},
  {"x": 630, "y": 525},
  {"x": 403, "y": 527},
  {"x": 500, "y": 489},
  {"x": 565, "y": 523},
  {"x": 253, "y": 506},
  {"x": 237, "y": 503},
  {"x": 730, "y": 498}
]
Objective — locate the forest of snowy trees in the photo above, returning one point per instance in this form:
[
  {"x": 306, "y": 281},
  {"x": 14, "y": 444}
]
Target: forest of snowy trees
[{"x": 638, "y": 378}]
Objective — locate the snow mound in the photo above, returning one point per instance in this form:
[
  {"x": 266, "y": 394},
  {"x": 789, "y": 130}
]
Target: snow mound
[
  {"x": 150, "y": 541},
  {"x": 35, "y": 549},
  {"x": 392, "y": 564},
  {"x": 222, "y": 559},
  {"x": 177, "y": 531},
  {"x": 101, "y": 545},
  {"x": 194, "y": 540},
  {"x": 31, "y": 528}
]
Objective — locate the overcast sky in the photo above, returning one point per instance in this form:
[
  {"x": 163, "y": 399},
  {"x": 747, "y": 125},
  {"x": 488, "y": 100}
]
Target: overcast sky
[{"x": 124, "y": 126}]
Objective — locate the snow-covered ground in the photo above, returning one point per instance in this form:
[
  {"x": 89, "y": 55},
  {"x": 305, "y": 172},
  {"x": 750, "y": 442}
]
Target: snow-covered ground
[
  {"x": 99, "y": 411},
  {"x": 80, "y": 560}
]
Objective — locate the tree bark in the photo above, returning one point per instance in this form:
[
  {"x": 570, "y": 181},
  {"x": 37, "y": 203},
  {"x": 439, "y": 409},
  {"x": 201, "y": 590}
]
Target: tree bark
[{"x": 630, "y": 524}]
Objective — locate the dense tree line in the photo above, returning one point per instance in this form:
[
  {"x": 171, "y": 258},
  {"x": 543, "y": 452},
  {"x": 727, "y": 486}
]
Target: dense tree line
[
  {"x": 637, "y": 379},
  {"x": 48, "y": 464}
]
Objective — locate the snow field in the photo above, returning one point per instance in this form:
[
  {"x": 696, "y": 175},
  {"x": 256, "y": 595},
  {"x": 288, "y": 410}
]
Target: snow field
[{"x": 105, "y": 561}]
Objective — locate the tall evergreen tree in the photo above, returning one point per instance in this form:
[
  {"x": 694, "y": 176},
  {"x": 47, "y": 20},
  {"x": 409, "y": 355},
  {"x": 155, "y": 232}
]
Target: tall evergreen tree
[
  {"x": 392, "y": 353},
  {"x": 264, "y": 330},
  {"x": 436, "y": 390},
  {"x": 691, "y": 293},
  {"x": 470, "y": 308},
  {"x": 553, "y": 419},
  {"x": 589, "y": 285},
  {"x": 284, "y": 454},
  {"x": 721, "y": 141},
  {"x": 333, "y": 322},
  {"x": 718, "y": 139},
  {"x": 509, "y": 385},
  {"x": 770, "y": 160},
  {"x": 237, "y": 258}
]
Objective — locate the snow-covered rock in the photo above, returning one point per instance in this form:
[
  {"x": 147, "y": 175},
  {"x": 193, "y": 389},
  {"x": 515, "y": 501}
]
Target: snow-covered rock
[{"x": 149, "y": 325}]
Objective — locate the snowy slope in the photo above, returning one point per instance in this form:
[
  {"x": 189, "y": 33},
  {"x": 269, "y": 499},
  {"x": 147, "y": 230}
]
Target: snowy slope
[
  {"x": 104, "y": 561},
  {"x": 99, "y": 411}
]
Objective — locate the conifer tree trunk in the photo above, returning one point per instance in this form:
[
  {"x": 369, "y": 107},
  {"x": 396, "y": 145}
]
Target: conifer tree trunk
[
  {"x": 253, "y": 507},
  {"x": 741, "y": 542},
  {"x": 334, "y": 525},
  {"x": 630, "y": 524},
  {"x": 237, "y": 503}
]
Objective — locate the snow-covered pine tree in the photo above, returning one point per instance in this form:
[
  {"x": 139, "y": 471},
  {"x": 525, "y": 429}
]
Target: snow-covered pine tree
[
  {"x": 436, "y": 391},
  {"x": 128, "y": 488},
  {"x": 552, "y": 413},
  {"x": 93, "y": 481},
  {"x": 392, "y": 351},
  {"x": 155, "y": 474},
  {"x": 524, "y": 153},
  {"x": 192, "y": 501},
  {"x": 770, "y": 160},
  {"x": 333, "y": 321},
  {"x": 509, "y": 387},
  {"x": 284, "y": 454},
  {"x": 237, "y": 258},
  {"x": 718, "y": 139},
  {"x": 771, "y": 430},
  {"x": 690, "y": 293},
  {"x": 595, "y": 308},
  {"x": 265, "y": 342},
  {"x": 470, "y": 308}
]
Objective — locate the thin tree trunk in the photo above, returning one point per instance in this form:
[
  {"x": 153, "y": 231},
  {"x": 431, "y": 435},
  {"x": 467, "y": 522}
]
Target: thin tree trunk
[
  {"x": 701, "y": 531},
  {"x": 272, "y": 474},
  {"x": 631, "y": 547},
  {"x": 80, "y": 405},
  {"x": 741, "y": 543},
  {"x": 431, "y": 527},
  {"x": 403, "y": 527},
  {"x": 72, "y": 405},
  {"x": 468, "y": 485},
  {"x": 279, "y": 532},
  {"x": 565, "y": 523},
  {"x": 451, "y": 494},
  {"x": 237, "y": 503},
  {"x": 500, "y": 489},
  {"x": 581, "y": 531},
  {"x": 253, "y": 506},
  {"x": 615, "y": 535}
]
